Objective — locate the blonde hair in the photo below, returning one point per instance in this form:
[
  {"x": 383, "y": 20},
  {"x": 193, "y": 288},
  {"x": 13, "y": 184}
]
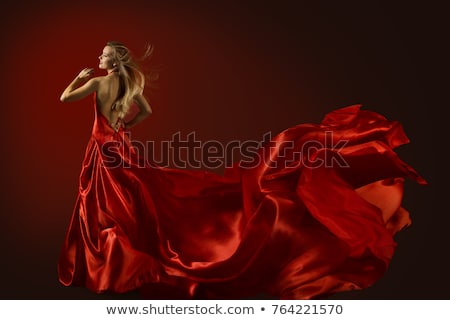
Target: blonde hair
[{"x": 131, "y": 76}]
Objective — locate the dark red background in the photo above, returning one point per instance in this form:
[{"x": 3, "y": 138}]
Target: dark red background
[{"x": 229, "y": 71}]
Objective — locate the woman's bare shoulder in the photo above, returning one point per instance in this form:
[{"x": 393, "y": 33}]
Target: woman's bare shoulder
[
  {"x": 107, "y": 78},
  {"x": 99, "y": 78}
]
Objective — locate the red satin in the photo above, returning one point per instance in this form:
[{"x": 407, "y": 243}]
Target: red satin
[{"x": 296, "y": 231}]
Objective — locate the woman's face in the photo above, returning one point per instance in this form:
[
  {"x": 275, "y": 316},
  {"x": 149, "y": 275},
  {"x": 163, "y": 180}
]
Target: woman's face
[{"x": 106, "y": 59}]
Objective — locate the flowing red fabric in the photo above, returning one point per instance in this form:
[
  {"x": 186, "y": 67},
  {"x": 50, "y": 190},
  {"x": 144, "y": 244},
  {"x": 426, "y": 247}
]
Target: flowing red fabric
[{"x": 314, "y": 213}]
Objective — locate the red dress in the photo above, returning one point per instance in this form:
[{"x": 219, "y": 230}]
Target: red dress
[{"x": 314, "y": 213}]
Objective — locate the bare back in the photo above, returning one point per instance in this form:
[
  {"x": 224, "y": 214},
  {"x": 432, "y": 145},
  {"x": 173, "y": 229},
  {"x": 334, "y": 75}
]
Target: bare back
[{"x": 107, "y": 92}]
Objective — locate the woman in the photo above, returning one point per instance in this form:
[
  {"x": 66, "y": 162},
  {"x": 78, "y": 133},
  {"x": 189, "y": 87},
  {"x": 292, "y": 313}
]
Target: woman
[
  {"x": 114, "y": 93},
  {"x": 300, "y": 229}
]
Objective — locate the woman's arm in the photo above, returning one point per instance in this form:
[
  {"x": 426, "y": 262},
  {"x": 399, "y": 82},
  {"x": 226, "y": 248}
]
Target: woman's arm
[
  {"x": 144, "y": 111},
  {"x": 76, "y": 91}
]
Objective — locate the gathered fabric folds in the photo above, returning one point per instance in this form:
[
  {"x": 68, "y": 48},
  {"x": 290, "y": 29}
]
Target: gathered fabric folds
[{"x": 313, "y": 213}]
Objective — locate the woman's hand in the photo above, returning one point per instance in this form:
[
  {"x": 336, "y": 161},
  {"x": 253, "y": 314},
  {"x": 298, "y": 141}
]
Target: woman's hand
[
  {"x": 85, "y": 73},
  {"x": 77, "y": 90},
  {"x": 125, "y": 125}
]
